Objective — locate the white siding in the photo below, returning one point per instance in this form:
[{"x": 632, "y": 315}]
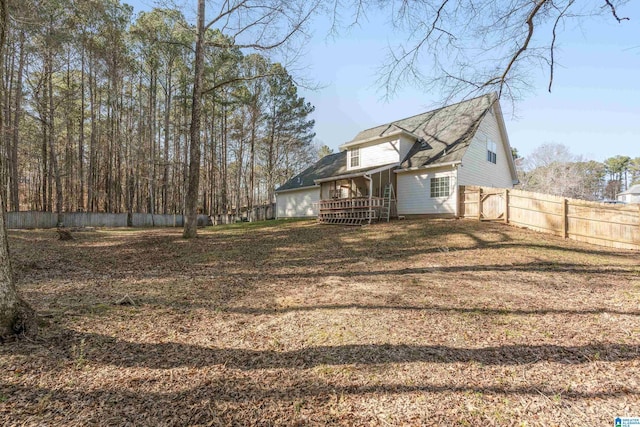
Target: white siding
[
  {"x": 476, "y": 169},
  {"x": 378, "y": 153},
  {"x": 629, "y": 198},
  {"x": 414, "y": 188},
  {"x": 298, "y": 204},
  {"x": 405, "y": 145}
]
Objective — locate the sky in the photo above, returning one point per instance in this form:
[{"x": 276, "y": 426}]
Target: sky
[{"x": 594, "y": 106}]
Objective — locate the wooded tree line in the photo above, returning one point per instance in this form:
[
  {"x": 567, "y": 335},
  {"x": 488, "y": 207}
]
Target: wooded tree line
[
  {"x": 97, "y": 106},
  {"x": 553, "y": 169}
]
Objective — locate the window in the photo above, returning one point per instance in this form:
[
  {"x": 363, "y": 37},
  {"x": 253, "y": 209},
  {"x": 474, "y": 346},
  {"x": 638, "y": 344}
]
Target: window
[
  {"x": 440, "y": 187},
  {"x": 355, "y": 157},
  {"x": 491, "y": 151}
]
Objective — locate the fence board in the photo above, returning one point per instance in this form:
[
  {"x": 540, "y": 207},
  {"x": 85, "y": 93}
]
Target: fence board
[
  {"x": 94, "y": 219},
  {"x": 31, "y": 219},
  {"x": 156, "y": 220},
  {"x": 615, "y": 226}
]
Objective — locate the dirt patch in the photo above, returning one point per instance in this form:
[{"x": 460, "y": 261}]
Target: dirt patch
[{"x": 414, "y": 322}]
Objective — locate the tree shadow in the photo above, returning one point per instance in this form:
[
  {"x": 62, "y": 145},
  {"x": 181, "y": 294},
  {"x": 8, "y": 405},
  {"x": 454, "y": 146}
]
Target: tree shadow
[
  {"x": 108, "y": 350},
  {"x": 535, "y": 266},
  {"x": 428, "y": 308},
  {"x": 234, "y": 401}
]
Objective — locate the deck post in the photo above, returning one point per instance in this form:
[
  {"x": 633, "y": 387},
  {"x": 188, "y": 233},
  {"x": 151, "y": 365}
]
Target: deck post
[
  {"x": 506, "y": 206},
  {"x": 370, "y": 179},
  {"x": 565, "y": 220}
]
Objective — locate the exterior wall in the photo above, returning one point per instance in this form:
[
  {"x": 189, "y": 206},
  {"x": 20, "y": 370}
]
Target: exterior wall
[
  {"x": 405, "y": 145},
  {"x": 382, "y": 152},
  {"x": 298, "y": 203},
  {"x": 476, "y": 169},
  {"x": 629, "y": 198},
  {"x": 414, "y": 193}
]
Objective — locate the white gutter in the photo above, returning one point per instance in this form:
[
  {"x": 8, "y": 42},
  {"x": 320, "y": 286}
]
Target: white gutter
[
  {"x": 377, "y": 138},
  {"x": 357, "y": 174},
  {"x": 296, "y": 189},
  {"x": 435, "y": 166}
]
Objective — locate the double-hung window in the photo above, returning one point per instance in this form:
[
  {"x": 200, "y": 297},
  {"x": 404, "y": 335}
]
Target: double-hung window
[
  {"x": 491, "y": 151},
  {"x": 440, "y": 187},
  {"x": 354, "y": 154}
]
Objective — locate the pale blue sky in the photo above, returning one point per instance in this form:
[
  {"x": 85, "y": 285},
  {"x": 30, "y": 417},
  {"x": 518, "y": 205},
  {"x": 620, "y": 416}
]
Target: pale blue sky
[{"x": 594, "y": 106}]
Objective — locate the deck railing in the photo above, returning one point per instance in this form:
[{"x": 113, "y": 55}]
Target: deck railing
[{"x": 356, "y": 210}]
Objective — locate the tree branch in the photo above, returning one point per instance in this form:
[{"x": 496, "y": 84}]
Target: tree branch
[
  {"x": 237, "y": 80},
  {"x": 522, "y": 49},
  {"x": 553, "y": 42},
  {"x": 615, "y": 13}
]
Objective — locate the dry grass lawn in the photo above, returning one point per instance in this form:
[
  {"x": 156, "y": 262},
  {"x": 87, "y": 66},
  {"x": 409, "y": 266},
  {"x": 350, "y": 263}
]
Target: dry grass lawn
[{"x": 409, "y": 323}]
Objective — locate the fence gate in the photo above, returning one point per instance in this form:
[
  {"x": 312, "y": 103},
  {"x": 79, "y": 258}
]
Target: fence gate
[{"x": 491, "y": 205}]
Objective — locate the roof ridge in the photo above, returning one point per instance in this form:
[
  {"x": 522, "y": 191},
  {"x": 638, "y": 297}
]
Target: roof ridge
[{"x": 427, "y": 112}]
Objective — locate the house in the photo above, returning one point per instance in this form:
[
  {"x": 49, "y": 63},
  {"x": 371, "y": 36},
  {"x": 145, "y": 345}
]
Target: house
[
  {"x": 632, "y": 195},
  {"x": 424, "y": 158}
]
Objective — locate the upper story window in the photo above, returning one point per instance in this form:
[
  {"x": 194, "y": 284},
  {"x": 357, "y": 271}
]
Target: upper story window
[
  {"x": 354, "y": 155},
  {"x": 491, "y": 151}
]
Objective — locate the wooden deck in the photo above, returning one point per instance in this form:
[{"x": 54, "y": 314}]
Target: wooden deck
[{"x": 355, "y": 211}]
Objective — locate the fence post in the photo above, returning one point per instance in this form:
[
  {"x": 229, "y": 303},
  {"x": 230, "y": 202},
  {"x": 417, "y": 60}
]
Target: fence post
[
  {"x": 479, "y": 203},
  {"x": 565, "y": 219},
  {"x": 506, "y": 206},
  {"x": 638, "y": 241}
]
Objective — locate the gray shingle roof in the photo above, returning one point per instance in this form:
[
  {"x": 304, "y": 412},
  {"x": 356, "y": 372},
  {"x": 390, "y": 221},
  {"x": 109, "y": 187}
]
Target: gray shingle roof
[
  {"x": 446, "y": 132},
  {"x": 333, "y": 164},
  {"x": 634, "y": 189},
  {"x": 445, "y": 136}
]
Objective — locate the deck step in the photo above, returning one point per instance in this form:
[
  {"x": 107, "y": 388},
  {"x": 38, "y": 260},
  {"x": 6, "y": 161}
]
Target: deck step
[{"x": 343, "y": 221}]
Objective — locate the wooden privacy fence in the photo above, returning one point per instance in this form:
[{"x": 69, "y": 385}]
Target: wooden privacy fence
[
  {"x": 602, "y": 224},
  {"x": 34, "y": 219}
]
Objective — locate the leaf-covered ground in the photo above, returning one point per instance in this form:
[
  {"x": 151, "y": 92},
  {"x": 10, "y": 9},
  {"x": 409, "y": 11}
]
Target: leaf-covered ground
[{"x": 409, "y": 323}]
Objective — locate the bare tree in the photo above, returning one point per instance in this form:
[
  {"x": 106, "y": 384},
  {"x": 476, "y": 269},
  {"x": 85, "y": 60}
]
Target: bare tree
[
  {"x": 15, "y": 315},
  {"x": 465, "y": 47},
  {"x": 248, "y": 24},
  {"x": 553, "y": 169}
]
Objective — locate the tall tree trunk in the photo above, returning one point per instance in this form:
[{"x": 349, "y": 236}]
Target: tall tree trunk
[
  {"x": 69, "y": 184},
  {"x": 152, "y": 143},
  {"x": 14, "y": 190},
  {"x": 8, "y": 294},
  {"x": 7, "y": 81},
  {"x": 81, "y": 139},
  {"x": 191, "y": 201},
  {"x": 252, "y": 160},
  {"x": 223, "y": 162},
  {"x": 15, "y": 315},
  {"x": 91, "y": 176},
  {"x": 45, "y": 163},
  {"x": 51, "y": 137},
  {"x": 271, "y": 159},
  {"x": 167, "y": 115}
]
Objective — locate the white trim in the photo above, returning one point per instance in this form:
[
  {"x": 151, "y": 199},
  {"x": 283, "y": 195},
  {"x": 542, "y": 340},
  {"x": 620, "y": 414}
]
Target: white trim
[
  {"x": 433, "y": 166},
  {"x": 505, "y": 139},
  {"x": 351, "y": 157},
  {"x": 376, "y": 138},
  {"x": 296, "y": 189},
  {"x": 356, "y": 174}
]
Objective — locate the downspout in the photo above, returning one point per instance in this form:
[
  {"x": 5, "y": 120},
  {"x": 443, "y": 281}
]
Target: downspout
[{"x": 368, "y": 178}]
